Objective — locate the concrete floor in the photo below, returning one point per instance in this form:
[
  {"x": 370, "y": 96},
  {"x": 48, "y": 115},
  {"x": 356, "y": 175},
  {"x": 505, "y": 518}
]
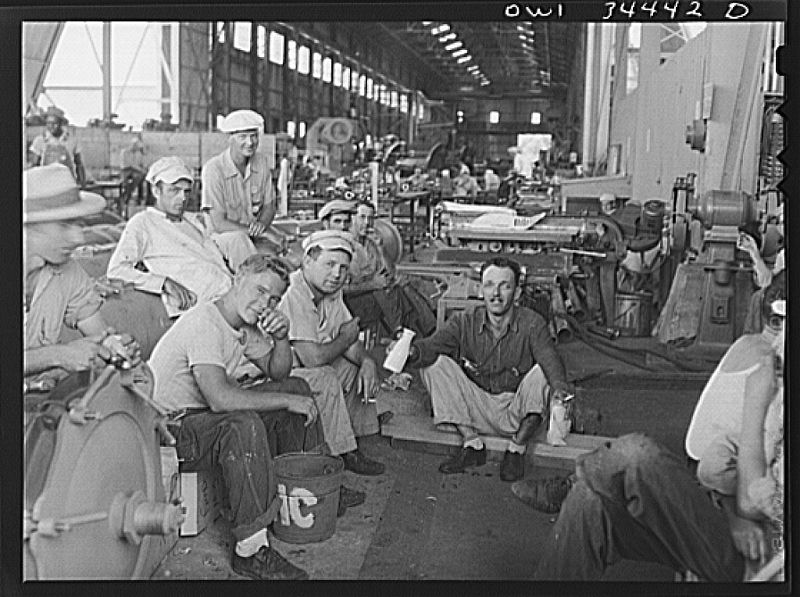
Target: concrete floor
[{"x": 418, "y": 524}]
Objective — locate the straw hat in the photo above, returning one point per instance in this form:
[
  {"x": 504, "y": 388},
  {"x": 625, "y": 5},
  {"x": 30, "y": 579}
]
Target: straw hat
[{"x": 50, "y": 193}]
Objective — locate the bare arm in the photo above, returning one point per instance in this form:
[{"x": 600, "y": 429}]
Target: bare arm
[{"x": 316, "y": 354}]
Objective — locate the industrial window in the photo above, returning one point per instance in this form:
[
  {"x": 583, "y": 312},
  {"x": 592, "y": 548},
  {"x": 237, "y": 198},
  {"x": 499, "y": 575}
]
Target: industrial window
[
  {"x": 241, "y": 36},
  {"x": 404, "y": 103},
  {"x": 301, "y": 130},
  {"x": 394, "y": 99},
  {"x": 634, "y": 45},
  {"x": 261, "y": 41},
  {"x": 221, "y": 30},
  {"x": 460, "y": 116},
  {"x": 291, "y": 59},
  {"x": 362, "y": 85},
  {"x": 494, "y": 117},
  {"x": 290, "y": 127},
  {"x": 369, "y": 87},
  {"x": 345, "y": 77},
  {"x": 421, "y": 111},
  {"x": 327, "y": 64},
  {"x": 337, "y": 74},
  {"x": 276, "y": 47},
  {"x": 316, "y": 65},
  {"x": 536, "y": 117},
  {"x": 302, "y": 60}
]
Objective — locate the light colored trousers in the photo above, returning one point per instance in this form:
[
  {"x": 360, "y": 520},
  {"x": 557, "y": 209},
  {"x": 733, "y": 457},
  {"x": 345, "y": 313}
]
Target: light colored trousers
[
  {"x": 344, "y": 416},
  {"x": 458, "y": 400},
  {"x": 236, "y": 246}
]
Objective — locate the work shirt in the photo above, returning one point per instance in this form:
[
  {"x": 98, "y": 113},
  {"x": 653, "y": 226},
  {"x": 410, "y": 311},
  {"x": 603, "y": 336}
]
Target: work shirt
[
  {"x": 53, "y": 149},
  {"x": 201, "y": 336},
  {"x": 178, "y": 250},
  {"x": 240, "y": 199},
  {"x": 495, "y": 365},
  {"x": 310, "y": 322},
  {"x": 56, "y": 296},
  {"x": 465, "y": 185}
]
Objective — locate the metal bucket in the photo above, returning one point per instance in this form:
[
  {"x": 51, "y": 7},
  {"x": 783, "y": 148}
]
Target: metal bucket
[
  {"x": 308, "y": 487},
  {"x": 632, "y": 313}
]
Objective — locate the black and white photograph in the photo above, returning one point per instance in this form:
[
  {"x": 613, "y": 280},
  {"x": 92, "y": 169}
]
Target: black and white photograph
[{"x": 493, "y": 293}]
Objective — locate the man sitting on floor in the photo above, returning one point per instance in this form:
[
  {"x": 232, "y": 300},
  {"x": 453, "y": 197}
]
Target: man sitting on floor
[
  {"x": 223, "y": 424},
  {"x": 182, "y": 263},
  {"x": 493, "y": 371},
  {"x": 633, "y": 499},
  {"x": 372, "y": 291},
  {"x": 58, "y": 293},
  {"x": 327, "y": 351}
]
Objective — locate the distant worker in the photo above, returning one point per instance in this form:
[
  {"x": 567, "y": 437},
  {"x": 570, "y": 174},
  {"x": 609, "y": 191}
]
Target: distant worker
[
  {"x": 373, "y": 292},
  {"x": 337, "y": 215},
  {"x": 464, "y": 184},
  {"x": 133, "y": 168},
  {"x": 238, "y": 196},
  {"x": 491, "y": 180},
  {"x": 56, "y": 145},
  {"x": 161, "y": 251},
  {"x": 752, "y": 242},
  {"x": 417, "y": 180}
]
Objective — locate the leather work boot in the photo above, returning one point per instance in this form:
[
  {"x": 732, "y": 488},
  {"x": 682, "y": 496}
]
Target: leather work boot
[
  {"x": 545, "y": 495},
  {"x": 267, "y": 564},
  {"x": 349, "y": 498},
  {"x": 356, "y": 462},
  {"x": 466, "y": 457},
  {"x": 513, "y": 466}
]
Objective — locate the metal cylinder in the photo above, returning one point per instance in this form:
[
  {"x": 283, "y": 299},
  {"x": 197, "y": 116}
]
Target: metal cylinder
[
  {"x": 391, "y": 241},
  {"x": 563, "y": 332},
  {"x": 723, "y": 208},
  {"x": 578, "y": 307}
]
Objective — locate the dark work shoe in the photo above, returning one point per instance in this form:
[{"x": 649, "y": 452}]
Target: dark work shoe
[
  {"x": 267, "y": 564},
  {"x": 356, "y": 462},
  {"x": 466, "y": 457},
  {"x": 545, "y": 495},
  {"x": 513, "y": 466},
  {"x": 349, "y": 498}
]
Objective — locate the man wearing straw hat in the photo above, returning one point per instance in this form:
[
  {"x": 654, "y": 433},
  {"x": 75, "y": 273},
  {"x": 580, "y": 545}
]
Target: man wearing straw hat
[
  {"x": 182, "y": 264},
  {"x": 58, "y": 292},
  {"x": 239, "y": 429},
  {"x": 56, "y": 146},
  {"x": 327, "y": 351},
  {"x": 238, "y": 195}
]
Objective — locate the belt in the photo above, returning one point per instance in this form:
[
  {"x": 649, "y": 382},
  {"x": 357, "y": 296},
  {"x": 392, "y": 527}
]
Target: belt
[{"x": 179, "y": 414}]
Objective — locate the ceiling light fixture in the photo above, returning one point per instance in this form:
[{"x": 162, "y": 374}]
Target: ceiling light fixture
[{"x": 453, "y": 46}]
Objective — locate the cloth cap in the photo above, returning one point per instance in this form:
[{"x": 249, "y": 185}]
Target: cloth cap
[
  {"x": 335, "y": 207},
  {"x": 607, "y": 198},
  {"x": 170, "y": 169},
  {"x": 328, "y": 240},
  {"x": 464, "y": 170},
  {"x": 50, "y": 193},
  {"x": 242, "y": 120}
]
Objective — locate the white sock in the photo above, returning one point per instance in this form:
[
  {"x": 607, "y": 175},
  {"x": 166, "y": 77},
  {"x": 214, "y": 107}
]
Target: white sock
[
  {"x": 249, "y": 546},
  {"x": 476, "y": 442},
  {"x": 515, "y": 447}
]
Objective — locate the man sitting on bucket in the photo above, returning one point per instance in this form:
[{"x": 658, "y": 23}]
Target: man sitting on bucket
[
  {"x": 492, "y": 371},
  {"x": 239, "y": 429}
]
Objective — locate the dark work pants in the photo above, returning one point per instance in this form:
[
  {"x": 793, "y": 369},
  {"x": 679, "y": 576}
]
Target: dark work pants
[
  {"x": 242, "y": 444},
  {"x": 637, "y": 501}
]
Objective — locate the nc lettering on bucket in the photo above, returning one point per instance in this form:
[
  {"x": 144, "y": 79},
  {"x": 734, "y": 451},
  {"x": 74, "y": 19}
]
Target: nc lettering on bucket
[{"x": 290, "y": 507}]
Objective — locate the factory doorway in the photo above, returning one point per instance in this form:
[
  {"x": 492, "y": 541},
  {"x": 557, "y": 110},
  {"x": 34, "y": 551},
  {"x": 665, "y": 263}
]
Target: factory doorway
[{"x": 533, "y": 147}]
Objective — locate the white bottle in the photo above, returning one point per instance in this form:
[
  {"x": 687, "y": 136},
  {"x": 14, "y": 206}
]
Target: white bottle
[
  {"x": 396, "y": 359},
  {"x": 560, "y": 425}
]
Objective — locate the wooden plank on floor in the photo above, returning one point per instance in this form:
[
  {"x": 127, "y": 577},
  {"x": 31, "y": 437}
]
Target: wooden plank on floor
[{"x": 413, "y": 429}]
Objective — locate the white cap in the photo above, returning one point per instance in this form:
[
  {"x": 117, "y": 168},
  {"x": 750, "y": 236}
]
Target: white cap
[
  {"x": 242, "y": 120},
  {"x": 329, "y": 240},
  {"x": 169, "y": 169}
]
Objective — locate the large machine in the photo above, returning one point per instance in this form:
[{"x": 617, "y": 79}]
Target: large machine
[{"x": 330, "y": 139}]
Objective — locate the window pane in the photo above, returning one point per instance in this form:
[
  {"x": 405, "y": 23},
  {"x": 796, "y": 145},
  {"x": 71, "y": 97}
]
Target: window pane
[
  {"x": 261, "y": 41},
  {"x": 290, "y": 126},
  {"x": 421, "y": 111},
  {"x": 221, "y": 29},
  {"x": 275, "y": 47},
  {"x": 404, "y": 103},
  {"x": 302, "y": 60},
  {"x": 316, "y": 65},
  {"x": 362, "y": 85},
  {"x": 369, "y": 87},
  {"x": 337, "y": 74},
  {"x": 292, "y": 59},
  {"x": 494, "y": 116},
  {"x": 326, "y": 70},
  {"x": 345, "y": 77},
  {"x": 301, "y": 130},
  {"x": 354, "y": 79},
  {"x": 536, "y": 118},
  {"x": 241, "y": 36},
  {"x": 394, "y": 99}
]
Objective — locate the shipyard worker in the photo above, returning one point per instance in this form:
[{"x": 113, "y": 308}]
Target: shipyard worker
[
  {"x": 238, "y": 195},
  {"x": 752, "y": 242},
  {"x": 327, "y": 351},
  {"x": 464, "y": 184},
  {"x": 236, "y": 428},
  {"x": 492, "y": 371},
  {"x": 56, "y": 145},
  {"x": 373, "y": 292},
  {"x": 58, "y": 293},
  {"x": 337, "y": 215},
  {"x": 633, "y": 499},
  {"x": 165, "y": 251}
]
